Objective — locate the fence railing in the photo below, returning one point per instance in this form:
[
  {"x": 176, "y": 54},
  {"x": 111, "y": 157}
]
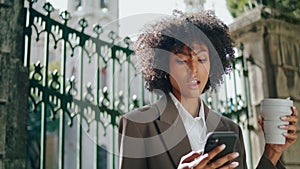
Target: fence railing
[
  {"x": 79, "y": 87},
  {"x": 62, "y": 61}
]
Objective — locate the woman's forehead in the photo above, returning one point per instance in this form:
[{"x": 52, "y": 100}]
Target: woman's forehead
[{"x": 194, "y": 47}]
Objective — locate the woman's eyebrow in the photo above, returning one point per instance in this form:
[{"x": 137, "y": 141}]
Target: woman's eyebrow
[
  {"x": 201, "y": 51},
  {"x": 192, "y": 52},
  {"x": 184, "y": 53}
]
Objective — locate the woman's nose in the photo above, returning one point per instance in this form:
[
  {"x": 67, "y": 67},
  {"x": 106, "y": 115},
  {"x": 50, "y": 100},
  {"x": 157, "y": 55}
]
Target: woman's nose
[{"x": 193, "y": 67}]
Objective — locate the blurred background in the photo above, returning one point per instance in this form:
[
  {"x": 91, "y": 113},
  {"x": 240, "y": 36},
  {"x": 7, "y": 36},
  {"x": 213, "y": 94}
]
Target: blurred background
[{"x": 67, "y": 75}]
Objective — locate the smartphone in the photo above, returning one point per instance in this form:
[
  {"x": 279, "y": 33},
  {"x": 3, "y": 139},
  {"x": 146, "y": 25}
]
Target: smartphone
[{"x": 214, "y": 139}]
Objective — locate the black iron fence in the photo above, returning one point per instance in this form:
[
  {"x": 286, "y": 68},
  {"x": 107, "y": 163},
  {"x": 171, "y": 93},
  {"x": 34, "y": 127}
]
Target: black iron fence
[
  {"x": 61, "y": 97},
  {"x": 80, "y": 85}
]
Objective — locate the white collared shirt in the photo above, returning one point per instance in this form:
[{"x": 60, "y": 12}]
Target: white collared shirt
[{"x": 195, "y": 127}]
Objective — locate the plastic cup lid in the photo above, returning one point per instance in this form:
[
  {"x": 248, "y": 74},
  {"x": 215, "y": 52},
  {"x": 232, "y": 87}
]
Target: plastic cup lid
[{"x": 277, "y": 102}]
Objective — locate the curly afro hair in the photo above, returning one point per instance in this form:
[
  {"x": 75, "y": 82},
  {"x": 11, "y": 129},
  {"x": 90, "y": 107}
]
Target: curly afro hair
[{"x": 171, "y": 34}]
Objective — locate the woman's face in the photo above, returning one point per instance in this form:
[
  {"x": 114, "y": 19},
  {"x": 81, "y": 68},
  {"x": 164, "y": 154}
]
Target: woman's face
[{"x": 189, "y": 70}]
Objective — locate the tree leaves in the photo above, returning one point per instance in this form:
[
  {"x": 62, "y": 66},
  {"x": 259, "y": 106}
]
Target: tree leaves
[{"x": 290, "y": 7}]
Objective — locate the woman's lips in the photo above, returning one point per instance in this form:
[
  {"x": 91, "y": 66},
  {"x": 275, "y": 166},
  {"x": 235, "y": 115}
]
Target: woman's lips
[{"x": 194, "y": 84}]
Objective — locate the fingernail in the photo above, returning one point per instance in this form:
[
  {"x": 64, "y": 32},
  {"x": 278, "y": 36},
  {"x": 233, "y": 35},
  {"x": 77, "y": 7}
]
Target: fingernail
[
  {"x": 223, "y": 146},
  {"x": 205, "y": 155},
  {"x": 235, "y": 155},
  {"x": 283, "y": 118},
  {"x": 282, "y": 127},
  {"x": 234, "y": 164}
]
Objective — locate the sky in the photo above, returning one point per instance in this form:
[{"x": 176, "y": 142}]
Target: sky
[
  {"x": 133, "y": 7},
  {"x": 134, "y": 14}
]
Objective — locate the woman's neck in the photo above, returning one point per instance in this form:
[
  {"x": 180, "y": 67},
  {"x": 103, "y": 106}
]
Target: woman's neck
[{"x": 192, "y": 105}]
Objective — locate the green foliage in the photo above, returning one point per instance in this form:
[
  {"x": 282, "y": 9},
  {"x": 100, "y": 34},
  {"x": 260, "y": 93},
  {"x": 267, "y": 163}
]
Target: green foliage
[
  {"x": 236, "y": 7},
  {"x": 54, "y": 65},
  {"x": 290, "y": 7},
  {"x": 287, "y": 6}
]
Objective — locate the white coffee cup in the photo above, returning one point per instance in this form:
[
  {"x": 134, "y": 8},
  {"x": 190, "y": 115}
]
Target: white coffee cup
[
  {"x": 275, "y": 138},
  {"x": 272, "y": 127},
  {"x": 272, "y": 109}
]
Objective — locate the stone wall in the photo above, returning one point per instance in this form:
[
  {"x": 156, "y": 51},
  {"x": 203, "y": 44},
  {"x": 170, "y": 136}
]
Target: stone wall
[
  {"x": 272, "y": 46},
  {"x": 13, "y": 86}
]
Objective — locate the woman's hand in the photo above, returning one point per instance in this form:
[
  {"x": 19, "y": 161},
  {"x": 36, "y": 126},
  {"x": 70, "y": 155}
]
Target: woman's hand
[
  {"x": 274, "y": 151},
  {"x": 198, "y": 160}
]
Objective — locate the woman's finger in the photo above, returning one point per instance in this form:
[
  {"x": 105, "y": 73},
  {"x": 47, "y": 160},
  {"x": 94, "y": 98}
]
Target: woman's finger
[
  {"x": 290, "y": 136},
  {"x": 203, "y": 160},
  {"x": 231, "y": 165},
  {"x": 261, "y": 122},
  {"x": 295, "y": 111},
  {"x": 190, "y": 157},
  {"x": 221, "y": 161},
  {"x": 200, "y": 162},
  {"x": 216, "y": 151},
  {"x": 292, "y": 119},
  {"x": 289, "y": 128},
  {"x": 189, "y": 160}
]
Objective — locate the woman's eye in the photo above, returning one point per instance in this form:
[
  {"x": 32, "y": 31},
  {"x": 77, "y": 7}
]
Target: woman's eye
[
  {"x": 180, "y": 61},
  {"x": 202, "y": 60}
]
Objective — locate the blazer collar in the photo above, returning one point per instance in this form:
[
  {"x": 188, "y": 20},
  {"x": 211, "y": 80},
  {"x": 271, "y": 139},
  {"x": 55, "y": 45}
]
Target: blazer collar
[
  {"x": 167, "y": 109},
  {"x": 169, "y": 121},
  {"x": 213, "y": 120},
  {"x": 171, "y": 130},
  {"x": 169, "y": 114}
]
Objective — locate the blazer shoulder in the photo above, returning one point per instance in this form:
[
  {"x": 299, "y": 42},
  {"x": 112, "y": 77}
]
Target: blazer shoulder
[
  {"x": 225, "y": 121},
  {"x": 140, "y": 118},
  {"x": 137, "y": 110},
  {"x": 228, "y": 121},
  {"x": 145, "y": 114},
  {"x": 138, "y": 122}
]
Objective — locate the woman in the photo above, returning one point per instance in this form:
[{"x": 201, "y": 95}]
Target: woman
[{"x": 182, "y": 57}]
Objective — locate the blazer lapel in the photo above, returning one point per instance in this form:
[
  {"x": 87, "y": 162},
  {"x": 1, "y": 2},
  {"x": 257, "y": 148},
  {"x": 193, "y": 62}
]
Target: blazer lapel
[
  {"x": 213, "y": 120},
  {"x": 172, "y": 130}
]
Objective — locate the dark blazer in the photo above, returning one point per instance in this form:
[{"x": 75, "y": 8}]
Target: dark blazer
[{"x": 154, "y": 137}]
